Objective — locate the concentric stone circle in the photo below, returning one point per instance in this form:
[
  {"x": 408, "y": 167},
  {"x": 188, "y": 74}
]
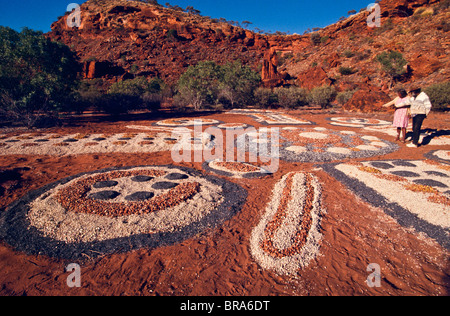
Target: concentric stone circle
[
  {"x": 40, "y": 223},
  {"x": 357, "y": 122},
  {"x": 184, "y": 122},
  {"x": 306, "y": 144}
]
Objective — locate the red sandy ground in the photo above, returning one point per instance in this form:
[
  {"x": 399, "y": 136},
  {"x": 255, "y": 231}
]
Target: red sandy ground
[{"x": 219, "y": 262}]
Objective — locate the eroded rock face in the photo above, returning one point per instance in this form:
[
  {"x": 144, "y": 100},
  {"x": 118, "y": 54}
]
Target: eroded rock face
[
  {"x": 367, "y": 99},
  {"x": 116, "y": 35},
  {"x": 120, "y": 39},
  {"x": 314, "y": 77}
]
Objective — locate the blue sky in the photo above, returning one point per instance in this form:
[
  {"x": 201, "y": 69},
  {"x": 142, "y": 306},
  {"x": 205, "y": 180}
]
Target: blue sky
[{"x": 294, "y": 16}]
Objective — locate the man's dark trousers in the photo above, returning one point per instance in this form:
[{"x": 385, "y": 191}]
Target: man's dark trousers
[{"x": 417, "y": 126}]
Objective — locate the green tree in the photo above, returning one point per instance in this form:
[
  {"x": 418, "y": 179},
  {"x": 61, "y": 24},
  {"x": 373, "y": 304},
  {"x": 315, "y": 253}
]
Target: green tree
[
  {"x": 238, "y": 83},
  {"x": 393, "y": 64},
  {"x": 209, "y": 83},
  {"x": 37, "y": 75},
  {"x": 199, "y": 85}
]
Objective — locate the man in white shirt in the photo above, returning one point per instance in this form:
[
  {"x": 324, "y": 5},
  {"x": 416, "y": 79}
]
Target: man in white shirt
[{"x": 420, "y": 108}]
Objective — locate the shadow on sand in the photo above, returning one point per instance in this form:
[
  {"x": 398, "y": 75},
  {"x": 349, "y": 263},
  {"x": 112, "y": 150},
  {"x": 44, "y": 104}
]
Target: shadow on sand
[{"x": 432, "y": 133}]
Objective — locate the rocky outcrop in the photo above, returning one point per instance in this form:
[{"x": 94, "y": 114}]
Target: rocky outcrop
[
  {"x": 105, "y": 69},
  {"x": 367, "y": 99},
  {"x": 119, "y": 39},
  {"x": 315, "y": 77},
  {"x": 146, "y": 39},
  {"x": 269, "y": 73}
]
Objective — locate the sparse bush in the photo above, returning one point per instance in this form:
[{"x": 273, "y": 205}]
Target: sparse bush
[
  {"x": 137, "y": 86},
  {"x": 182, "y": 100},
  {"x": 439, "y": 95},
  {"x": 172, "y": 35},
  {"x": 87, "y": 95},
  {"x": 322, "y": 96},
  {"x": 152, "y": 101},
  {"x": 291, "y": 97},
  {"x": 115, "y": 103}
]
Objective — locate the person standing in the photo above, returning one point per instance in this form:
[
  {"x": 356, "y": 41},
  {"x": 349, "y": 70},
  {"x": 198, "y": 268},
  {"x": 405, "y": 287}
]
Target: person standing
[
  {"x": 420, "y": 108},
  {"x": 401, "y": 116}
]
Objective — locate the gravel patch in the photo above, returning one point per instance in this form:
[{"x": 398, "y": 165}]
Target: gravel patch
[
  {"x": 105, "y": 184},
  {"x": 310, "y": 145},
  {"x": 185, "y": 122},
  {"x": 38, "y": 224},
  {"x": 140, "y": 196},
  {"x": 288, "y": 235},
  {"x": 93, "y": 144},
  {"x": 442, "y": 156},
  {"x": 421, "y": 203},
  {"x": 278, "y": 119},
  {"x": 235, "y": 169},
  {"x": 357, "y": 122}
]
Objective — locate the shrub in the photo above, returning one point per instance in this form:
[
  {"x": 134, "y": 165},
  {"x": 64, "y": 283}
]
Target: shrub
[
  {"x": 393, "y": 64},
  {"x": 182, "y": 100},
  {"x": 348, "y": 53},
  {"x": 439, "y": 95},
  {"x": 265, "y": 97},
  {"x": 172, "y": 35},
  {"x": 291, "y": 97},
  {"x": 344, "y": 96},
  {"x": 322, "y": 96},
  {"x": 137, "y": 86},
  {"x": 346, "y": 71},
  {"x": 87, "y": 95},
  {"x": 37, "y": 76},
  {"x": 324, "y": 39},
  {"x": 132, "y": 94},
  {"x": 316, "y": 38},
  {"x": 152, "y": 101}
]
